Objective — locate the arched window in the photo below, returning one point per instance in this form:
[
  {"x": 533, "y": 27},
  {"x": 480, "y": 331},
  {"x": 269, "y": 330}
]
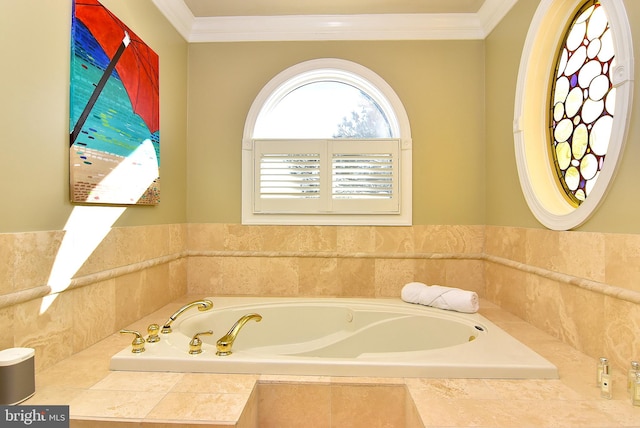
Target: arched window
[
  {"x": 327, "y": 142},
  {"x": 567, "y": 159}
]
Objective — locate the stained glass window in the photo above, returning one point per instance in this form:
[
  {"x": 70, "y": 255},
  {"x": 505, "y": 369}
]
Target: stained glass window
[{"x": 582, "y": 102}]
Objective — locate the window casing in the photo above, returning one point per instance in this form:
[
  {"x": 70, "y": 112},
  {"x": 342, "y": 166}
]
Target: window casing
[
  {"x": 295, "y": 176},
  {"x": 547, "y": 200}
]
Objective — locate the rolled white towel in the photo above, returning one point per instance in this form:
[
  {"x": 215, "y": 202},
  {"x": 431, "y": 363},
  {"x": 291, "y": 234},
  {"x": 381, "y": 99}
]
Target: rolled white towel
[{"x": 438, "y": 296}]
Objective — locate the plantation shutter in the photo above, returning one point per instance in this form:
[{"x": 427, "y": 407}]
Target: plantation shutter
[{"x": 326, "y": 176}]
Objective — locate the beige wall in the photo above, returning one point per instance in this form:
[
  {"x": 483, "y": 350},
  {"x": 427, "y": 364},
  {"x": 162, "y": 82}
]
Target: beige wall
[
  {"x": 35, "y": 113},
  {"x": 441, "y": 84},
  {"x": 505, "y": 202}
]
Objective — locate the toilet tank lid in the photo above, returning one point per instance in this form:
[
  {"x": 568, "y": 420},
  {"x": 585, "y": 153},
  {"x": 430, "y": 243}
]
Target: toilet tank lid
[{"x": 12, "y": 356}]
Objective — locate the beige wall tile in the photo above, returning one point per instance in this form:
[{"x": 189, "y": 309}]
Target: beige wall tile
[
  {"x": 285, "y": 405},
  {"x": 318, "y": 277},
  {"x": 356, "y": 277},
  {"x": 392, "y": 274},
  {"x": 622, "y": 260},
  {"x": 124, "y": 404},
  {"x": 94, "y": 313},
  {"x": 205, "y": 276},
  {"x": 621, "y": 337},
  {"x": 431, "y": 271},
  {"x": 367, "y": 406},
  {"x": 465, "y": 274},
  {"x": 299, "y": 238},
  {"x": 356, "y": 239},
  {"x": 33, "y": 255},
  {"x": 203, "y": 237},
  {"x": 394, "y": 240},
  {"x": 449, "y": 239},
  {"x": 506, "y": 242},
  {"x": 49, "y": 332},
  {"x": 278, "y": 276},
  {"x": 542, "y": 247},
  {"x": 199, "y": 407},
  {"x": 582, "y": 254},
  {"x": 8, "y": 266},
  {"x": 215, "y": 383},
  {"x": 7, "y": 336}
]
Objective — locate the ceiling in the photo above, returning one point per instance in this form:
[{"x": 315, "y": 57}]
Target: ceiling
[
  {"x": 204, "y": 8},
  {"x": 287, "y": 20}
]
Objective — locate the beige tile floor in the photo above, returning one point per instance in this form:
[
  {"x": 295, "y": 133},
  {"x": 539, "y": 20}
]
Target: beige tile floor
[{"x": 99, "y": 397}]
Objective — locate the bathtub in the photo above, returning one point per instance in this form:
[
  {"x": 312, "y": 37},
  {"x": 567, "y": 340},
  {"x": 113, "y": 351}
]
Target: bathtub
[{"x": 340, "y": 337}]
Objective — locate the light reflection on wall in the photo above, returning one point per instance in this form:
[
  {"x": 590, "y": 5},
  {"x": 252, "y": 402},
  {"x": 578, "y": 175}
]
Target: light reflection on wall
[{"x": 87, "y": 226}]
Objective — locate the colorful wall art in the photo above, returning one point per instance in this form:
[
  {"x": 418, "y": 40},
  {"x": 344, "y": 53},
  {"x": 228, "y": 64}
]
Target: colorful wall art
[{"x": 114, "y": 111}]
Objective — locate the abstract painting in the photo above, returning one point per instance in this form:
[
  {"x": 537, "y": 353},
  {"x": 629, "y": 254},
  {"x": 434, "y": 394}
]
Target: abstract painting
[{"x": 114, "y": 125}]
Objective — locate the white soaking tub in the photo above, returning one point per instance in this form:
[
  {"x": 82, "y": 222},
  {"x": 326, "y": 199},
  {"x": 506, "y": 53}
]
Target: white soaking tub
[{"x": 340, "y": 337}]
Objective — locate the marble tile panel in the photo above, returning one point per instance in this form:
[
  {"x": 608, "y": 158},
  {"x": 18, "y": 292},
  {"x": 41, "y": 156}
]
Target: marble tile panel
[
  {"x": 542, "y": 249},
  {"x": 318, "y": 277},
  {"x": 215, "y": 383},
  {"x": 356, "y": 239},
  {"x": 155, "y": 288},
  {"x": 47, "y": 326},
  {"x": 128, "y": 305},
  {"x": 84, "y": 373},
  {"x": 250, "y": 417},
  {"x": 294, "y": 379},
  {"x": 299, "y": 238},
  {"x": 506, "y": 242},
  {"x": 205, "y": 276},
  {"x": 392, "y": 274},
  {"x": 622, "y": 260},
  {"x": 356, "y": 277},
  {"x": 430, "y": 271},
  {"x": 94, "y": 313},
  {"x": 108, "y": 404},
  {"x": 138, "y": 381},
  {"x": 367, "y": 406},
  {"x": 448, "y": 239},
  {"x": 7, "y": 332},
  {"x": 188, "y": 406},
  {"x": 206, "y": 236},
  {"x": 285, "y": 405},
  {"x": 621, "y": 336},
  {"x": 412, "y": 417},
  {"x": 394, "y": 239},
  {"x": 506, "y": 287},
  {"x": 244, "y": 238},
  {"x": 278, "y": 276},
  {"x": 465, "y": 274},
  {"x": 52, "y": 395},
  {"x": 33, "y": 255},
  {"x": 582, "y": 254},
  {"x": 177, "y": 286},
  {"x": 457, "y": 389},
  {"x": 7, "y": 267},
  {"x": 240, "y": 276}
]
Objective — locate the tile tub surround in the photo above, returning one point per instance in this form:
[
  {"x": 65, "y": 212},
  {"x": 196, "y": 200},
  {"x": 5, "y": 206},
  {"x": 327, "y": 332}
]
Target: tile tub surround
[
  {"x": 548, "y": 278},
  {"x": 101, "y": 398}
]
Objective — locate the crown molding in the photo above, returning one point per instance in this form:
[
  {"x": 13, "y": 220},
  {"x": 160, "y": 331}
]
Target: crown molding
[{"x": 453, "y": 26}]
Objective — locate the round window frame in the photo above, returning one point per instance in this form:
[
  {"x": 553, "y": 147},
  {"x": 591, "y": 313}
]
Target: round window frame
[{"x": 531, "y": 135}]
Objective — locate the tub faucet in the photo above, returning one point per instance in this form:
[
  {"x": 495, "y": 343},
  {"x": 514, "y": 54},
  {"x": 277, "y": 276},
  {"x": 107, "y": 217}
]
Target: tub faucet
[
  {"x": 203, "y": 305},
  {"x": 225, "y": 343}
]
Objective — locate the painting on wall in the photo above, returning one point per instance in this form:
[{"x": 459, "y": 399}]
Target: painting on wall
[{"x": 114, "y": 112}]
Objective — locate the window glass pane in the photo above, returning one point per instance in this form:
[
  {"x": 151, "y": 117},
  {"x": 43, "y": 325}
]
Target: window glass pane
[
  {"x": 324, "y": 109},
  {"x": 580, "y": 111}
]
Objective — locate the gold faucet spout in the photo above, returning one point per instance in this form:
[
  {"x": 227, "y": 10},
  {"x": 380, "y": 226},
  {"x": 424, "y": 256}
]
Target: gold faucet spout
[
  {"x": 202, "y": 305},
  {"x": 225, "y": 343}
]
